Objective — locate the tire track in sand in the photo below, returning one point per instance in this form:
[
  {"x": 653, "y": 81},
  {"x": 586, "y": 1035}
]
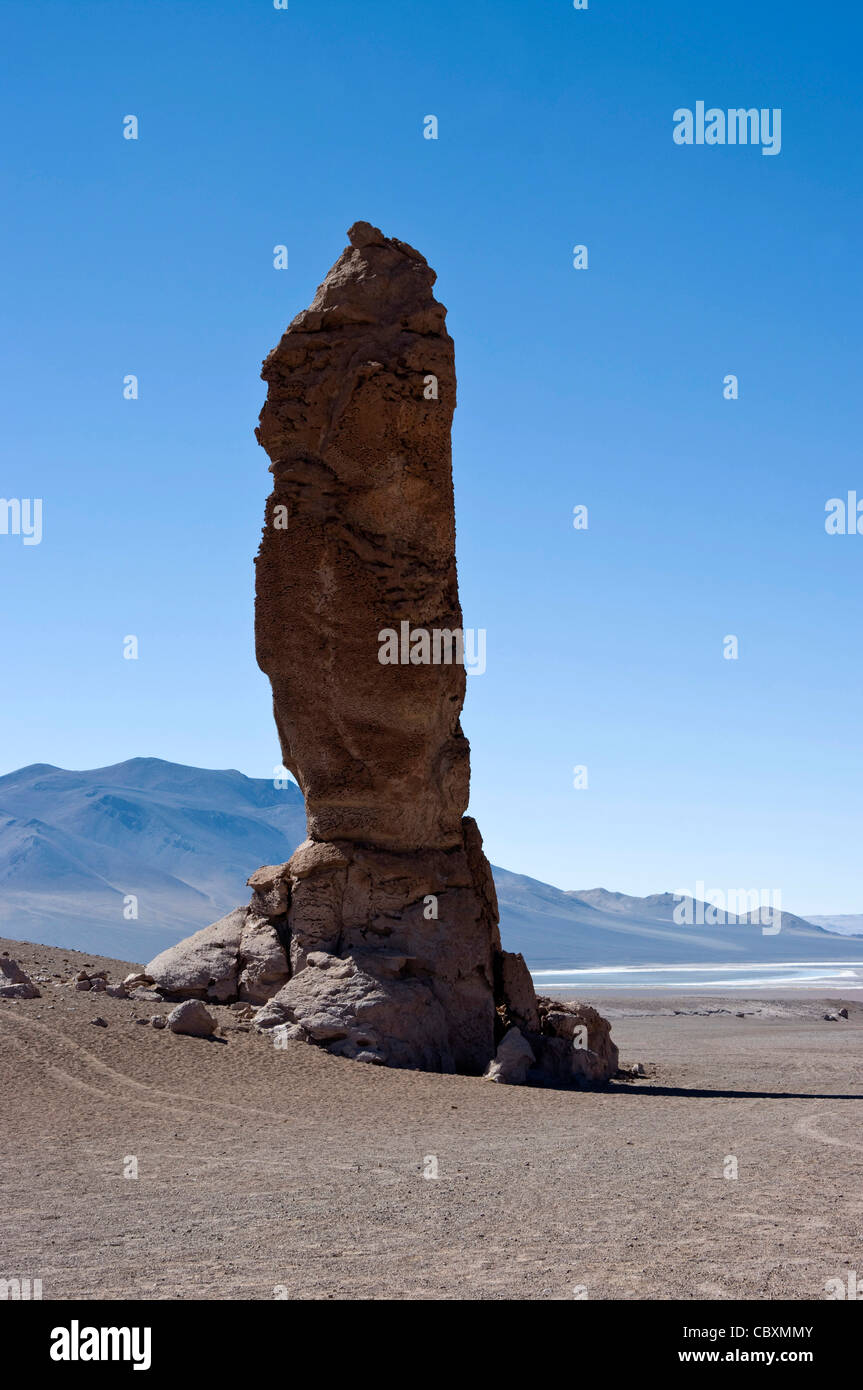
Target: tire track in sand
[{"x": 95, "y": 1064}]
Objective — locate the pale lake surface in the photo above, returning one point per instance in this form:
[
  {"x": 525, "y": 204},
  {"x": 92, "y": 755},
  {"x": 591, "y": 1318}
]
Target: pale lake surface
[{"x": 846, "y": 976}]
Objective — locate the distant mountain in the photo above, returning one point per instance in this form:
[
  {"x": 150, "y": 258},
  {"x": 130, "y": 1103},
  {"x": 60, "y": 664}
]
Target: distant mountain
[
  {"x": 76, "y": 846},
  {"x": 845, "y": 923},
  {"x": 596, "y": 928},
  {"x": 183, "y": 840}
]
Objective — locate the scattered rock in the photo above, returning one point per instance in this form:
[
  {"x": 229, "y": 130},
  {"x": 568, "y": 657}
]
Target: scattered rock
[
  {"x": 14, "y": 982},
  {"x": 631, "y": 1071},
  {"x": 99, "y": 1022},
  {"x": 288, "y": 1032},
  {"x": 193, "y": 1018},
  {"x": 159, "y": 1021},
  {"x": 271, "y": 1015},
  {"x": 843, "y": 1013},
  {"x": 137, "y": 978}
]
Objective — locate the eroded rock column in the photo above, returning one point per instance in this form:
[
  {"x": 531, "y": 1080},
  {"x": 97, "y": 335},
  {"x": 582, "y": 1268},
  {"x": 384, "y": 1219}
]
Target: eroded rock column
[
  {"x": 392, "y": 917},
  {"x": 378, "y": 939}
]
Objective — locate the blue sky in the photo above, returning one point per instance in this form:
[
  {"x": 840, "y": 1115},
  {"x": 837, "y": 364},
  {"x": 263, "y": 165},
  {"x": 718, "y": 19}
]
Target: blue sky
[{"x": 604, "y": 387}]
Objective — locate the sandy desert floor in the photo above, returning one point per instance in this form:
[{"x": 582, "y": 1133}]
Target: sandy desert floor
[{"x": 266, "y": 1174}]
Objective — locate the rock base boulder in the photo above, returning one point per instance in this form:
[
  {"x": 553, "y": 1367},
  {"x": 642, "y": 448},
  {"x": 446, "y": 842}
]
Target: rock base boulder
[
  {"x": 340, "y": 947},
  {"x": 239, "y": 957},
  {"x": 574, "y": 1046},
  {"x": 513, "y": 1059}
]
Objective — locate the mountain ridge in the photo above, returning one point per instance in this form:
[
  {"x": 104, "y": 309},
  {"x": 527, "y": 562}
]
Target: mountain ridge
[{"x": 82, "y": 850}]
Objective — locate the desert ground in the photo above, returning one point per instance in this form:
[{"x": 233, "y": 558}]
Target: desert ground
[{"x": 291, "y": 1174}]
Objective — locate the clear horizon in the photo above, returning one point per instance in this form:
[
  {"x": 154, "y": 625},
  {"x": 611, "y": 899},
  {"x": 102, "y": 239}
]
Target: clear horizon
[{"x": 600, "y": 387}]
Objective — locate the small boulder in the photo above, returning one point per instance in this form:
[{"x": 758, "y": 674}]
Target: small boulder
[
  {"x": 14, "y": 983},
  {"x": 137, "y": 978},
  {"x": 284, "y": 1033},
  {"x": 159, "y": 1021},
  {"x": 271, "y": 1015},
  {"x": 323, "y": 1027},
  {"x": 513, "y": 1059},
  {"x": 193, "y": 1018}
]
